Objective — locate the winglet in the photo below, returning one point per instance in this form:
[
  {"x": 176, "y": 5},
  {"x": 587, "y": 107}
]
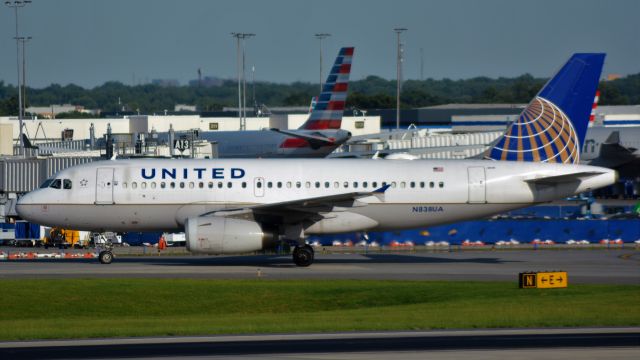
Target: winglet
[{"x": 382, "y": 189}]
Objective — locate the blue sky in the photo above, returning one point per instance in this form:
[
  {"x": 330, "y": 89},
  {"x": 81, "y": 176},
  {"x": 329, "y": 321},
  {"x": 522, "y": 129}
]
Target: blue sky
[{"x": 88, "y": 42}]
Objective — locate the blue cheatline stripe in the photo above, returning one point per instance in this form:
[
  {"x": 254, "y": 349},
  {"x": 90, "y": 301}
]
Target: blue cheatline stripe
[{"x": 622, "y": 122}]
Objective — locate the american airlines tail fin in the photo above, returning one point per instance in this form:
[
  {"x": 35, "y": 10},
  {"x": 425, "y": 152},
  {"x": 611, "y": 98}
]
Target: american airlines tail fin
[
  {"x": 327, "y": 112},
  {"x": 553, "y": 126}
]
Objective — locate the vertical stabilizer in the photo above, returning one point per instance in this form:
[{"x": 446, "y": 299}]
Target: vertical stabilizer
[
  {"x": 553, "y": 126},
  {"x": 329, "y": 107}
]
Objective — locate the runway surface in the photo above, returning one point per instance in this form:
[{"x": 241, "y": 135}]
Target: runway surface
[
  {"x": 583, "y": 266},
  {"x": 530, "y": 343}
]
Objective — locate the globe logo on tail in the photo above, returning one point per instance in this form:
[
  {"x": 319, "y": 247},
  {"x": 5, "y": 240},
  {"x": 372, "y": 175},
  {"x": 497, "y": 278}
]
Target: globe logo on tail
[{"x": 542, "y": 133}]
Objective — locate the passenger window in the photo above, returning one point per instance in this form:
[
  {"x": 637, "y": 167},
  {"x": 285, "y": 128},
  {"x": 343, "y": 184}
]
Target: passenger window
[
  {"x": 326, "y": 184},
  {"x": 298, "y": 184},
  {"x": 288, "y": 184},
  {"x": 172, "y": 185},
  {"x": 431, "y": 184},
  {"x": 181, "y": 184},
  {"x": 403, "y": 184},
  {"x": 66, "y": 184},
  {"x": 124, "y": 185},
  {"x": 346, "y": 184},
  {"x": 441, "y": 184},
  {"x": 134, "y": 185},
  {"x": 220, "y": 185},
  {"x": 201, "y": 185},
  {"x": 317, "y": 184},
  {"x": 365, "y": 184},
  {"x": 269, "y": 184},
  {"x": 279, "y": 184},
  {"x": 355, "y": 184},
  {"x": 143, "y": 185},
  {"x": 336, "y": 184},
  {"x": 191, "y": 185},
  {"x": 413, "y": 184},
  {"x": 259, "y": 184},
  {"x": 210, "y": 184},
  {"x": 244, "y": 185},
  {"x": 153, "y": 185},
  {"x": 422, "y": 184},
  {"x": 229, "y": 185},
  {"x": 393, "y": 184},
  {"x": 374, "y": 184},
  {"x": 307, "y": 184},
  {"x": 56, "y": 184},
  {"x": 163, "y": 185}
]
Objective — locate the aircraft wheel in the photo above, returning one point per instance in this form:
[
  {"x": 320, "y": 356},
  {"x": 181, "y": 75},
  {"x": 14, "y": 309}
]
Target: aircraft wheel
[
  {"x": 105, "y": 257},
  {"x": 303, "y": 255}
]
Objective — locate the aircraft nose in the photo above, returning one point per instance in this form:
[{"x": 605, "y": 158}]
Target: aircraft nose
[{"x": 24, "y": 206}]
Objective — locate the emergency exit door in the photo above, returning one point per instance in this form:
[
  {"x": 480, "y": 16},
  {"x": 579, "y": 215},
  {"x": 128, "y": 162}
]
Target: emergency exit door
[
  {"x": 104, "y": 186},
  {"x": 477, "y": 185}
]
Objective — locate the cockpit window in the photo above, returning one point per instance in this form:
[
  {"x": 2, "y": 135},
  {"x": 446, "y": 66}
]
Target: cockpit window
[
  {"x": 56, "y": 184},
  {"x": 66, "y": 183},
  {"x": 46, "y": 183}
]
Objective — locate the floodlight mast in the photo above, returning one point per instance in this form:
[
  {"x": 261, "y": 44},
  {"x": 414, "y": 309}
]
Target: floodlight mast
[
  {"x": 16, "y": 4},
  {"x": 321, "y": 36},
  {"x": 398, "y": 74}
]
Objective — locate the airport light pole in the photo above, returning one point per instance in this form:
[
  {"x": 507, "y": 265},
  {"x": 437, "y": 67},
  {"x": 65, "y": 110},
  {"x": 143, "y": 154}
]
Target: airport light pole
[
  {"x": 321, "y": 36},
  {"x": 243, "y": 125},
  {"x": 24, "y": 41},
  {"x": 398, "y": 74},
  {"x": 241, "y": 77},
  {"x": 16, "y": 4}
]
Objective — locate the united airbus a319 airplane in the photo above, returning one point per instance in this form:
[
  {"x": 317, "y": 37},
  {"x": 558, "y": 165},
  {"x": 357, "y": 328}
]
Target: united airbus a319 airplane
[
  {"x": 316, "y": 138},
  {"x": 246, "y": 205}
]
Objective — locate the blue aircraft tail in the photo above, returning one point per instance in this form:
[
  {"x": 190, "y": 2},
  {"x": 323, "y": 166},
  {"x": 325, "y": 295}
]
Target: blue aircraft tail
[{"x": 553, "y": 126}]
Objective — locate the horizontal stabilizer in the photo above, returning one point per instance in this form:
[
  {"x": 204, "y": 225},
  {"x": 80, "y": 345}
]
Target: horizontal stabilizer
[
  {"x": 306, "y": 136},
  {"x": 566, "y": 178}
]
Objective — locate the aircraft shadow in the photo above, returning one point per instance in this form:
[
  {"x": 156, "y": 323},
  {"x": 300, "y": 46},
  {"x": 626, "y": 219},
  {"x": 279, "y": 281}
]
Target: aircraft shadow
[{"x": 285, "y": 260}]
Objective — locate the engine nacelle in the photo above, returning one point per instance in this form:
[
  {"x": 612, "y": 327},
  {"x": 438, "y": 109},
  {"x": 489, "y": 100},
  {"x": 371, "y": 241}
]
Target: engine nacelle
[{"x": 220, "y": 235}]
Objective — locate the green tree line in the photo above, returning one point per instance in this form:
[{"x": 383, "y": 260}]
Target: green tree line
[{"x": 370, "y": 93}]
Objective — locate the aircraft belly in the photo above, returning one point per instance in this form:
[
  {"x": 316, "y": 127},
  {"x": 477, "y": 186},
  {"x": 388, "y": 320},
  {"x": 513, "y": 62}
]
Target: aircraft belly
[
  {"x": 407, "y": 216},
  {"x": 89, "y": 217}
]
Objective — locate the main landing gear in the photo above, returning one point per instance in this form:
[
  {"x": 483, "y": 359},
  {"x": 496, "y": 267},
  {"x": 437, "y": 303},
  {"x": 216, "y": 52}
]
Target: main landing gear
[
  {"x": 105, "y": 257},
  {"x": 303, "y": 255}
]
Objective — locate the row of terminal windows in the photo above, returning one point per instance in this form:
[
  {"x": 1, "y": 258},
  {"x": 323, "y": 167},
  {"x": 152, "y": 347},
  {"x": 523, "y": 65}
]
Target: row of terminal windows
[{"x": 288, "y": 184}]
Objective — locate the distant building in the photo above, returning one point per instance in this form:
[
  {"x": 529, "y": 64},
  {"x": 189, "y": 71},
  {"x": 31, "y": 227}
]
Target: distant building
[
  {"x": 184, "y": 108},
  {"x": 207, "y": 81},
  {"x": 165, "y": 82},
  {"x": 50, "y": 112}
]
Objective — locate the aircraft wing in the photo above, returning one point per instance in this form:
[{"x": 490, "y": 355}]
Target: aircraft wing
[
  {"x": 304, "y": 208},
  {"x": 566, "y": 178}
]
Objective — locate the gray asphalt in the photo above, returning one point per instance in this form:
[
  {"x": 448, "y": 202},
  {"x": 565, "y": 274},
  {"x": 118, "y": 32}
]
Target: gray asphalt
[
  {"x": 590, "y": 343},
  {"x": 583, "y": 266}
]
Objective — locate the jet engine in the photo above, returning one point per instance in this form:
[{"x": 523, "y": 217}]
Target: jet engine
[{"x": 221, "y": 235}]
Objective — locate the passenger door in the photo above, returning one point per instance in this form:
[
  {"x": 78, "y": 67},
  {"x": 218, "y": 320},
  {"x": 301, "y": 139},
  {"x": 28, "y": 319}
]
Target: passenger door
[
  {"x": 104, "y": 186},
  {"x": 477, "y": 185}
]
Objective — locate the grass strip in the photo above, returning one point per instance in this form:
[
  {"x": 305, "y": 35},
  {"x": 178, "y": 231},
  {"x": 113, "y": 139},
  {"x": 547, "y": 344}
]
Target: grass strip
[{"x": 86, "y": 308}]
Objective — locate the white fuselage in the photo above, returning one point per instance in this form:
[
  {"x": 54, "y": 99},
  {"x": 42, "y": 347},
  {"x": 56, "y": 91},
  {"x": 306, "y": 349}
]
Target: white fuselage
[{"x": 160, "y": 194}]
